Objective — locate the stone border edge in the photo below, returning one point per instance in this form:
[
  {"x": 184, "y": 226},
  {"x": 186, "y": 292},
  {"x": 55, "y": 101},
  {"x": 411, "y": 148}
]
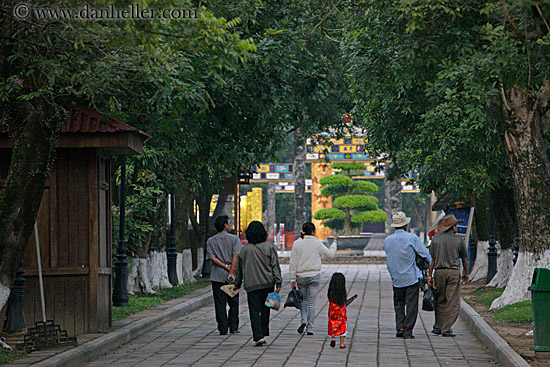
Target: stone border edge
[
  {"x": 104, "y": 344},
  {"x": 502, "y": 351}
]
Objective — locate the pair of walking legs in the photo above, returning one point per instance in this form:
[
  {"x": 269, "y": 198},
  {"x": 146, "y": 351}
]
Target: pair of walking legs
[
  {"x": 259, "y": 313},
  {"x": 405, "y": 303},
  {"x": 447, "y": 284},
  {"x": 221, "y": 300},
  {"x": 333, "y": 341},
  {"x": 309, "y": 286}
]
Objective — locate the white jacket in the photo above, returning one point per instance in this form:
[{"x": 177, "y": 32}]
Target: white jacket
[{"x": 305, "y": 259}]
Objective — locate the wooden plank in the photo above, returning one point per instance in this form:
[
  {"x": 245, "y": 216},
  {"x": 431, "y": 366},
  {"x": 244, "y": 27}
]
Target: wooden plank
[
  {"x": 127, "y": 142},
  {"x": 81, "y": 308},
  {"x": 58, "y": 272},
  {"x": 102, "y": 210},
  {"x": 93, "y": 242},
  {"x": 83, "y": 210},
  {"x": 63, "y": 183},
  {"x": 109, "y": 217},
  {"x": 43, "y": 222},
  {"x": 75, "y": 158},
  {"x": 59, "y": 301},
  {"x": 30, "y": 301},
  {"x": 69, "y": 304},
  {"x": 54, "y": 234},
  {"x": 49, "y": 292}
]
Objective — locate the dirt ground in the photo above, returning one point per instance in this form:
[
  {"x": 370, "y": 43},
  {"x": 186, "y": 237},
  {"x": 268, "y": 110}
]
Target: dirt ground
[{"x": 514, "y": 334}]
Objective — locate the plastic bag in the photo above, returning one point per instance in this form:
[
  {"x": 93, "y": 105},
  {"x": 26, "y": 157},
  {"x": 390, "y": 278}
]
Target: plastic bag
[
  {"x": 428, "y": 301},
  {"x": 294, "y": 299},
  {"x": 273, "y": 301}
]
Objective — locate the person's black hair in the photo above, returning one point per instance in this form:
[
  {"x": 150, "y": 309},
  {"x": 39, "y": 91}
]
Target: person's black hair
[
  {"x": 307, "y": 229},
  {"x": 337, "y": 289},
  {"x": 255, "y": 233},
  {"x": 220, "y": 222}
]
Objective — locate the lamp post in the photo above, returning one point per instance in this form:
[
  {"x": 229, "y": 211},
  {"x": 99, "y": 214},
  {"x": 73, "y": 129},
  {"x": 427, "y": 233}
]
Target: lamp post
[
  {"x": 492, "y": 253},
  {"x": 473, "y": 252},
  {"x": 426, "y": 219},
  {"x": 15, "y": 315},
  {"x": 171, "y": 254},
  {"x": 120, "y": 292}
]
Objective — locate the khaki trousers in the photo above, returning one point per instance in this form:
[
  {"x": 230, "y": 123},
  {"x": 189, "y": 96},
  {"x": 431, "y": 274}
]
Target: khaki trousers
[{"x": 447, "y": 284}]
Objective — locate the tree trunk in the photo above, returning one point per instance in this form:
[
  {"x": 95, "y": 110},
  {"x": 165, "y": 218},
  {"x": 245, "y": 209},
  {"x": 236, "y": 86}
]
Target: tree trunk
[
  {"x": 481, "y": 266},
  {"x": 527, "y": 120},
  {"x": 505, "y": 265},
  {"x": 347, "y": 230},
  {"x": 270, "y": 220},
  {"x": 183, "y": 202},
  {"x": 481, "y": 218},
  {"x": 505, "y": 215},
  {"x": 300, "y": 181},
  {"x": 33, "y": 144},
  {"x": 392, "y": 204}
]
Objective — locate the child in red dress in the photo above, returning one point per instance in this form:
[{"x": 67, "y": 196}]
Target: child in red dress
[{"x": 337, "y": 313}]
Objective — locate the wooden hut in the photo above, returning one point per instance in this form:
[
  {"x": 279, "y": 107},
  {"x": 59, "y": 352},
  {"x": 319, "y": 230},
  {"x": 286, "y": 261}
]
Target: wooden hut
[{"x": 74, "y": 223}]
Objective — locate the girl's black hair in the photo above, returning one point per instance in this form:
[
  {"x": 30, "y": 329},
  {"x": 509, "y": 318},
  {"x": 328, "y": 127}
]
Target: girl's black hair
[
  {"x": 255, "y": 233},
  {"x": 307, "y": 229},
  {"x": 337, "y": 289}
]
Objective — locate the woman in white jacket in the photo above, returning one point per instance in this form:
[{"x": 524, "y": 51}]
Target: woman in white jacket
[{"x": 305, "y": 271}]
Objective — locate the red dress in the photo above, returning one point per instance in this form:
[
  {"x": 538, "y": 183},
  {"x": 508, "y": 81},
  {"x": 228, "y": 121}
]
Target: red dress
[{"x": 337, "y": 320}]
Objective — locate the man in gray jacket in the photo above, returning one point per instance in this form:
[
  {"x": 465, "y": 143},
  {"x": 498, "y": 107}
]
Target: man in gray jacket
[{"x": 223, "y": 251}]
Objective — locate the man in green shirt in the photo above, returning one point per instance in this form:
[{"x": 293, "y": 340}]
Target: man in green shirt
[{"x": 447, "y": 249}]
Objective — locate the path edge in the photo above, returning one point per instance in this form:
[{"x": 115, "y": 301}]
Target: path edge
[
  {"x": 500, "y": 349},
  {"x": 95, "y": 348}
]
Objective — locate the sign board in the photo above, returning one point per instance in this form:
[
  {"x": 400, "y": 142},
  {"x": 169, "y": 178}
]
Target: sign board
[
  {"x": 466, "y": 213},
  {"x": 288, "y": 187},
  {"x": 348, "y": 149},
  {"x": 271, "y": 172}
]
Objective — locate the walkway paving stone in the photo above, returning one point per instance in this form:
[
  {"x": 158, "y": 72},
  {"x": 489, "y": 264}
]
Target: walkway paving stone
[{"x": 193, "y": 340}]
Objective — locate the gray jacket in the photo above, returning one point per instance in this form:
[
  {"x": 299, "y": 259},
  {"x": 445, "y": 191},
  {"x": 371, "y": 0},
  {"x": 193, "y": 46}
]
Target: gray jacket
[{"x": 259, "y": 267}]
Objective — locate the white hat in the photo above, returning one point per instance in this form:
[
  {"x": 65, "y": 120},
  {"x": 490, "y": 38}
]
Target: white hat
[{"x": 400, "y": 219}]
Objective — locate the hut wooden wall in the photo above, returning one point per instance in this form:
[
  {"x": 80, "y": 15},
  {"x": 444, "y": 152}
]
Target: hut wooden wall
[{"x": 74, "y": 226}]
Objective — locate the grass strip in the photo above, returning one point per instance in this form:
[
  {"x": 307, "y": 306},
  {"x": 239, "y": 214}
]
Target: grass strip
[
  {"x": 138, "y": 303},
  {"x": 516, "y": 313},
  {"x": 7, "y": 355}
]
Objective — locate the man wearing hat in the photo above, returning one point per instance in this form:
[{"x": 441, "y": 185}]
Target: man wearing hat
[
  {"x": 447, "y": 249},
  {"x": 401, "y": 250}
]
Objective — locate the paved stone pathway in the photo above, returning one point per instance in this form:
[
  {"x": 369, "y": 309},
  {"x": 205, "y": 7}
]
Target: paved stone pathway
[
  {"x": 375, "y": 247},
  {"x": 193, "y": 340}
]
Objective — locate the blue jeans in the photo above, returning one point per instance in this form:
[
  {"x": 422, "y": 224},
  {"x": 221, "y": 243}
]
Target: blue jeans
[{"x": 309, "y": 286}]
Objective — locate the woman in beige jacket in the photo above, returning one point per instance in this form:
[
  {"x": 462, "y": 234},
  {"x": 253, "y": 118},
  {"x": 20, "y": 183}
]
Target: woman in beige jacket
[{"x": 305, "y": 271}]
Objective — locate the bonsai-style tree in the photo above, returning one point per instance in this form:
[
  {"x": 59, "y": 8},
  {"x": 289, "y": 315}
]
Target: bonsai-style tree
[{"x": 352, "y": 206}]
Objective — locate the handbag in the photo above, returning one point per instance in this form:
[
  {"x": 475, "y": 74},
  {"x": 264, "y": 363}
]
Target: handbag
[
  {"x": 294, "y": 299},
  {"x": 428, "y": 301},
  {"x": 422, "y": 263},
  {"x": 273, "y": 301}
]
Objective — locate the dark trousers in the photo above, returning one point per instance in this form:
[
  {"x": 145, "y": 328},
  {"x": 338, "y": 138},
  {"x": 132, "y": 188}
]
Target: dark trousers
[
  {"x": 221, "y": 300},
  {"x": 405, "y": 304},
  {"x": 259, "y": 313}
]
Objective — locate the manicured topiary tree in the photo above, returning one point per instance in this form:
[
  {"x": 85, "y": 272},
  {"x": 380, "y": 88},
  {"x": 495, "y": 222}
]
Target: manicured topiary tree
[{"x": 352, "y": 206}]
